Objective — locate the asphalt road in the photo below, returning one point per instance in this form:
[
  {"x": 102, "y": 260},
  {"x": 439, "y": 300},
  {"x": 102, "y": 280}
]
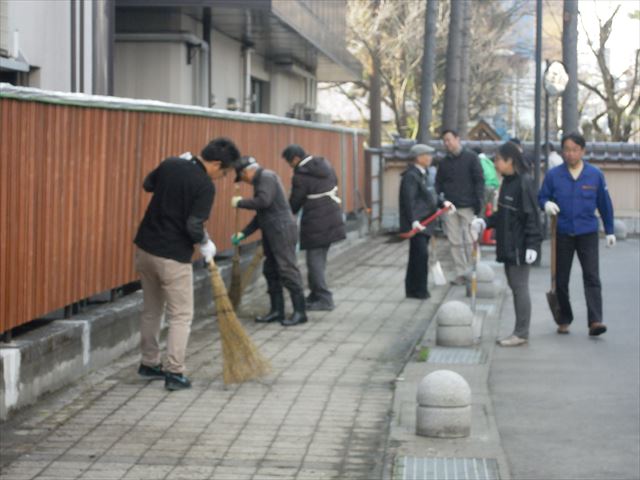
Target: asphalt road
[{"x": 567, "y": 406}]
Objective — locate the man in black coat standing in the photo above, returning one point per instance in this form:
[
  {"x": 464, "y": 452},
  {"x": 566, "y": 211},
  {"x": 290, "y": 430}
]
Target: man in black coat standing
[
  {"x": 418, "y": 201},
  {"x": 460, "y": 180},
  {"x": 279, "y": 238},
  {"x": 315, "y": 191}
]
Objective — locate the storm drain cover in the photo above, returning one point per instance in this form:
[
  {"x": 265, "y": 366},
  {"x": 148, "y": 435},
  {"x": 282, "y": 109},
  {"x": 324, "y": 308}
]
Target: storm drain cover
[
  {"x": 455, "y": 356},
  {"x": 446, "y": 468}
]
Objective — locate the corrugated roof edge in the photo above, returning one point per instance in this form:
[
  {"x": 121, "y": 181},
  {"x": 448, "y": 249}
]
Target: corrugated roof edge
[{"x": 119, "y": 103}]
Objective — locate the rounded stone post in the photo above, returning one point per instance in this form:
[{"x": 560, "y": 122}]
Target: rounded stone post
[
  {"x": 444, "y": 405},
  {"x": 455, "y": 325}
]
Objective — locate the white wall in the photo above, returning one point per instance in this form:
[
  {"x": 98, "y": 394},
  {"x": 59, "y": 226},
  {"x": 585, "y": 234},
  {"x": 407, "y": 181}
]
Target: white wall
[
  {"x": 44, "y": 39},
  {"x": 154, "y": 70},
  {"x": 285, "y": 91},
  {"x": 226, "y": 69}
]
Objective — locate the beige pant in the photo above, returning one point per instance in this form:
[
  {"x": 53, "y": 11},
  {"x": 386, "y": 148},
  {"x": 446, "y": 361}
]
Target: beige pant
[
  {"x": 456, "y": 226},
  {"x": 165, "y": 281}
]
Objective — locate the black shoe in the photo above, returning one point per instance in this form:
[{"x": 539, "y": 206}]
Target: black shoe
[
  {"x": 422, "y": 296},
  {"x": 276, "y": 314},
  {"x": 319, "y": 307},
  {"x": 459, "y": 280},
  {"x": 299, "y": 315},
  {"x": 597, "y": 328},
  {"x": 154, "y": 373},
  {"x": 176, "y": 381}
]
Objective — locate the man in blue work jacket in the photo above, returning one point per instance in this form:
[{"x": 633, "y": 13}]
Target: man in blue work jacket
[{"x": 573, "y": 191}]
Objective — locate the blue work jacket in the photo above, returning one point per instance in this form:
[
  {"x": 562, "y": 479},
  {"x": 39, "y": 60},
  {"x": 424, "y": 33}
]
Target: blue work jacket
[{"x": 578, "y": 199}]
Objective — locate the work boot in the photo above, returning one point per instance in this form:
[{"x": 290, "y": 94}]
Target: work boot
[
  {"x": 276, "y": 314},
  {"x": 299, "y": 314}
]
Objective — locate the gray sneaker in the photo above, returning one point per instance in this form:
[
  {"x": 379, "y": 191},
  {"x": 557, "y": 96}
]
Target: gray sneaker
[{"x": 320, "y": 307}]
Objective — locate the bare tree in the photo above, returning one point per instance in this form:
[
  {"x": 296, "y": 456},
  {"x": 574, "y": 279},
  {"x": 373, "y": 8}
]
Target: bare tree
[
  {"x": 428, "y": 71},
  {"x": 452, "y": 75},
  {"x": 620, "y": 95},
  {"x": 570, "y": 60},
  {"x": 463, "y": 95},
  {"x": 375, "y": 122},
  {"x": 398, "y": 28}
]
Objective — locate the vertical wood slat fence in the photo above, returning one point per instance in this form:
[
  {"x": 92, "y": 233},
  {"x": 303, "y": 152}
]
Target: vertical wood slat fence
[{"x": 71, "y": 193}]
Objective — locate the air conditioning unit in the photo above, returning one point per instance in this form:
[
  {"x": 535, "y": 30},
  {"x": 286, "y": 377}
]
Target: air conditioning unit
[{"x": 5, "y": 47}]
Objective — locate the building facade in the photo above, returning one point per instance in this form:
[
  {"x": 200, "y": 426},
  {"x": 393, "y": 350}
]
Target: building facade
[{"x": 261, "y": 56}]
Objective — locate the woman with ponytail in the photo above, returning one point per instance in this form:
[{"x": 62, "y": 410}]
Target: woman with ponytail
[{"x": 518, "y": 234}]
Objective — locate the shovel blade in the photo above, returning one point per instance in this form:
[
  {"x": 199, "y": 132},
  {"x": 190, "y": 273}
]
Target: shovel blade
[{"x": 554, "y": 306}]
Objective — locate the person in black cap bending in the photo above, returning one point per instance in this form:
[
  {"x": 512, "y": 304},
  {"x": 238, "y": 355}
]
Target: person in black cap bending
[{"x": 279, "y": 237}]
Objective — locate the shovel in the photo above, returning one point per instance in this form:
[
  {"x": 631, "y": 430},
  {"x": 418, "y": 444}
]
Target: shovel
[
  {"x": 552, "y": 297},
  {"x": 474, "y": 275}
]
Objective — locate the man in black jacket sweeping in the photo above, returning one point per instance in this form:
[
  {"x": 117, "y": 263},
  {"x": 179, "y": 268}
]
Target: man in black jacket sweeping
[
  {"x": 418, "y": 201},
  {"x": 315, "y": 191},
  {"x": 174, "y": 221},
  {"x": 279, "y": 238}
]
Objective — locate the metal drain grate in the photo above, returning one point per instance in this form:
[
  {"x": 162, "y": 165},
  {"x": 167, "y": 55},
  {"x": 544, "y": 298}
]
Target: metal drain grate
[
  {"x": 446, "y": 468},
  {"x": 456, "y": 356}
]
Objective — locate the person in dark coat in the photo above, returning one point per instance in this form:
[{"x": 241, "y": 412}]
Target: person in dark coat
[
  {"x": 279, "y": 238},
  {"x": 418, "y": 200},
  {"x": 518, "y": 234},
  {"x": 315, "y": 190}
]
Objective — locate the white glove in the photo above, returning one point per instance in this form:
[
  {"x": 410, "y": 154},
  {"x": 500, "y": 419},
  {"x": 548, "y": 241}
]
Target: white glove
[
  {"x": 208, "y": 250},
  {"x": 416, "y": 225},
  {"x": 530, "y": 256},
  {"x": 450, "y": 206},
  {"x": 477, "y": 226},
  {"x": 551, "y": 208},
  {"x": 611, "y": 241},
  {"x": 235, "y": 200},
  {"x": 186, "y": 156}
]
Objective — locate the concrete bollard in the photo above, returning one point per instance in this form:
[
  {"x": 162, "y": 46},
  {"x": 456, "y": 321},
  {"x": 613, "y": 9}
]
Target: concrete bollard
[
  {"x": 620, "y": 229},
  {"x": 455, "y": 325},
  {"x": 484, "y": 273},
  {"x": 444, "y": 405}
]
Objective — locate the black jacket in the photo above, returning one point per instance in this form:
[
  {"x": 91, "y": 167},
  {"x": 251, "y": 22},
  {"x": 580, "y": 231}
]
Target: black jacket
[
  {"x": 517, "y": 221},
  {"x": 417, "y": 199},
  {"x": 182, "y": 198},
  {"x": 273, "y": 214},
  {"x": 460, "y": 180},
  {"x": 322, "y": 223}
]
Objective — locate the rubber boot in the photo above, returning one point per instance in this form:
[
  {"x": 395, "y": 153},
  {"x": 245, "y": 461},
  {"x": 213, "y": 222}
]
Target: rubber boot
[
  {"x": 299, "y": 314},
  {"x": 277, "y": 309}
]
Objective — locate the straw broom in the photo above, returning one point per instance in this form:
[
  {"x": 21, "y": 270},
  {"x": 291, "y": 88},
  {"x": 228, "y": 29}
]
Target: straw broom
[
  {"x": 241, "y": 360},
  {"x": 248, "y": 273}
]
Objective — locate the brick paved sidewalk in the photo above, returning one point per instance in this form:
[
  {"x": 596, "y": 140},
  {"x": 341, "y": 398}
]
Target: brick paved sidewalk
[{"x": 323, "y": 413}]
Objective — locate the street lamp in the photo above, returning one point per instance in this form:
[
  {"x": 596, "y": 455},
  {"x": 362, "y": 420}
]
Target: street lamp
[{"x": 555, "y": 81}]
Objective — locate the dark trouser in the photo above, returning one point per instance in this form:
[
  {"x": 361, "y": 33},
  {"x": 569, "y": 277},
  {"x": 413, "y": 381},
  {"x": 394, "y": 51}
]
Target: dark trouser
[
  {"x": 415, "y": 281},
  {"x": 316, "y": 266},
  {"x": 280, "y": 265},
  {"x": 518, "y": 279},
  {"x": 587, "y": 248}
]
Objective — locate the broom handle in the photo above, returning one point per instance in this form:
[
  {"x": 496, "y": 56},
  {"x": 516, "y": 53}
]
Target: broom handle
[
  {"x": 554, "y": 228},
  {"x": 236, "y": 248}
]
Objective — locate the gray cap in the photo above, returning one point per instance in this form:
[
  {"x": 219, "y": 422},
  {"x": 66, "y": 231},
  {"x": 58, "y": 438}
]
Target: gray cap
[{"x": 420, "y": 149}]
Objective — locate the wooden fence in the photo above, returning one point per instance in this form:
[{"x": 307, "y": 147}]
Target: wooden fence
[{"x": 71, "y": 193}]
